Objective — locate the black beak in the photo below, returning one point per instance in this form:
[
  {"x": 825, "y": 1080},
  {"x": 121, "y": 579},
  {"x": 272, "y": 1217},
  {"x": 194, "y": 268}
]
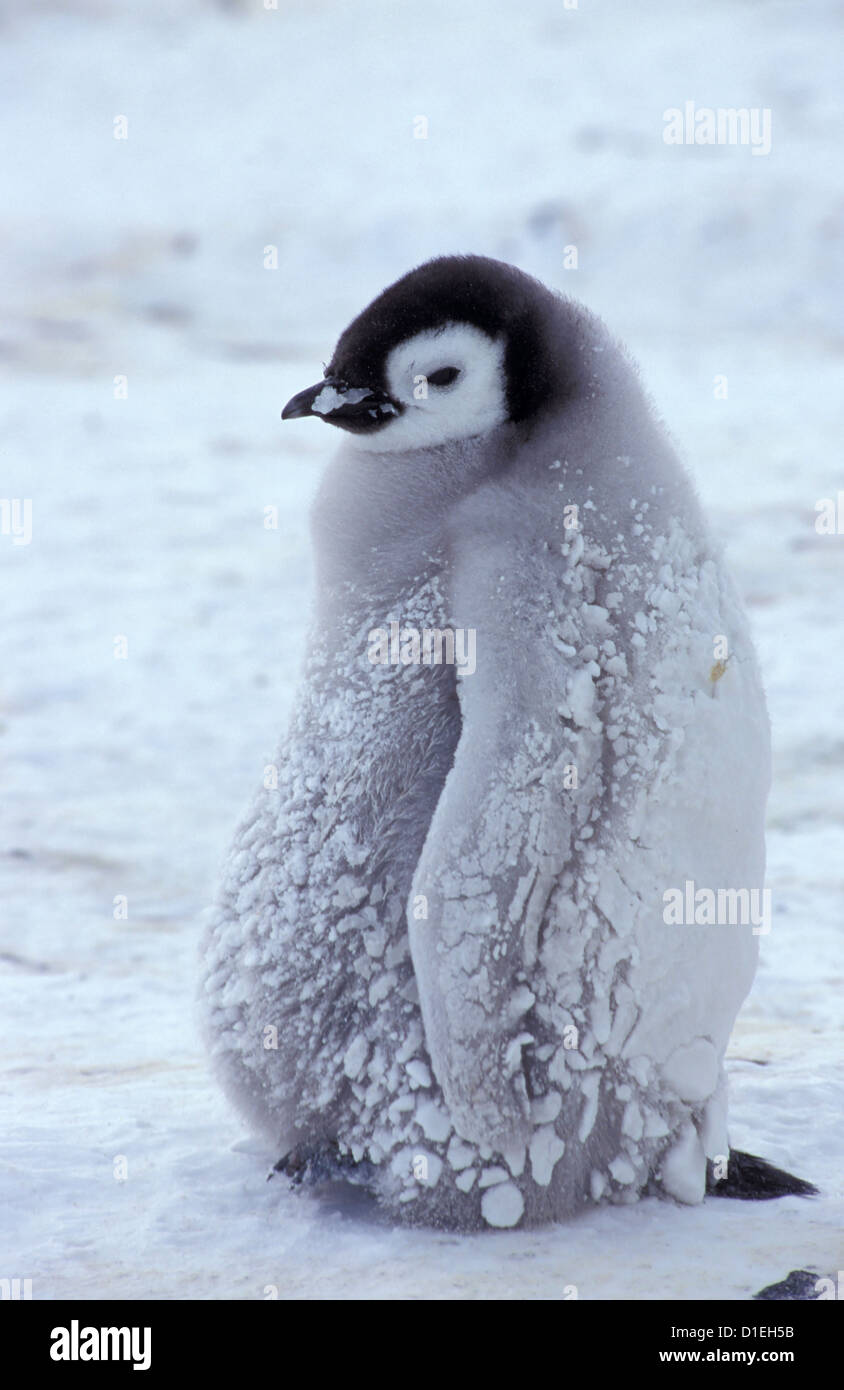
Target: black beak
[
  {"x": 354, "y": 408},
  {"x": 301, "y": 405}
]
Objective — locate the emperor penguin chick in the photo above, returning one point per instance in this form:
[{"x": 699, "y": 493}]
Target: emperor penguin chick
[{"x": 479, "y": 919}]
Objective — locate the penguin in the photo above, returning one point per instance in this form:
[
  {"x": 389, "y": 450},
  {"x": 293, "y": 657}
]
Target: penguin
[{"x": 468, "y": 951}]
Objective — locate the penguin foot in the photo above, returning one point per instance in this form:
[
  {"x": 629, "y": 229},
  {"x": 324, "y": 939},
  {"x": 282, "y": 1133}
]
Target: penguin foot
[
  {"x": 800, "y": 1284},
  {"x": 310, "y": 1165},
  {"x": 753, "y": 1179}
]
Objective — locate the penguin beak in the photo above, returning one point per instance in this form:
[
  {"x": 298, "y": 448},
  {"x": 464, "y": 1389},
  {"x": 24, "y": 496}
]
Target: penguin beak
[{"x": 351, "y": 407}]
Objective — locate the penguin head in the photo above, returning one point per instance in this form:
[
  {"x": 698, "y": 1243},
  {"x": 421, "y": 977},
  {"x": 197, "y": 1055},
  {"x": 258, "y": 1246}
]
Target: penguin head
[{"x": 451, "y": 351}]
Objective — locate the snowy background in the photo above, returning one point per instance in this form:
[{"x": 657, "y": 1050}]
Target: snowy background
[{"x": 294, "y": 128}]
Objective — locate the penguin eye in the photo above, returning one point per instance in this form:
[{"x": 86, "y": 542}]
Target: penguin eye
[{"x": 444, "y": 377}]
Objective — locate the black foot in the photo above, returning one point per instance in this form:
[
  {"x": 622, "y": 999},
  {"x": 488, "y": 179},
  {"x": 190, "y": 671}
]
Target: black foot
[
  {"x": 800, "y": 1284},
  {"x": 752, "y": 1179},
  {"x": 309, "y": 1165}
]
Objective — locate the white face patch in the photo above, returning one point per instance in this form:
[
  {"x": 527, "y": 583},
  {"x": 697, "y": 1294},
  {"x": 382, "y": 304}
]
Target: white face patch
[{"x": 474, "y": 402}]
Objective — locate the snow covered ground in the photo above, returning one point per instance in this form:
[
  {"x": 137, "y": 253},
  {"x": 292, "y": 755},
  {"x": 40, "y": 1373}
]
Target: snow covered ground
[{"x": 144, "y": 258}]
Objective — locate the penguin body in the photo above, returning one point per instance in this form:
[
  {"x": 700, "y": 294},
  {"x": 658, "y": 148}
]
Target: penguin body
[{"x": 451, "y": 955}]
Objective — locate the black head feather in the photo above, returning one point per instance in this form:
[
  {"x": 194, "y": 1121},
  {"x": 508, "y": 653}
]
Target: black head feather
[{"x": 492, "y": 296}]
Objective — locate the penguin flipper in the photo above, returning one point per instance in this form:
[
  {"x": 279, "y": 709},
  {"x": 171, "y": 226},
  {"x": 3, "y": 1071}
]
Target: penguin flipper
[
  {"x": 501, "y": 835},
  {"x": 753, "y": 1179}
]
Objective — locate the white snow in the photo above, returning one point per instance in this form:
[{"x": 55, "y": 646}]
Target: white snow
[
  {"x": 355, "y": 1056},
  {"x": 684, "y": 1168},
  {"x": 433, "y": 1120},
  {"x": 692, "y": 1070},
  {"x": 176, "y": 518},
  {"x": 330, "y": 398},
  {"x": 545, "y": 1150},
  {"x": 418, "y": 1073},
  {"x": 502, "y": 1205}
]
